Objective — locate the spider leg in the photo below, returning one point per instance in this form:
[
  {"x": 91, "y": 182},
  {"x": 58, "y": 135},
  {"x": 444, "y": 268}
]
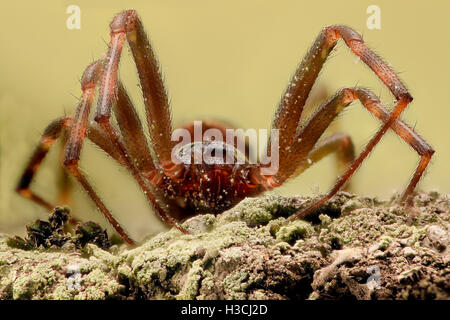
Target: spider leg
[
  {"x": 126, "y": 25},
  {"x": 99, "y": 137},
  {"x": 131, "y": 131},
  {"x": 339, "y": 143},
  {"x": 64, "y": 182},
  {"x": 306, "y": 138},
  {"x": 78, "y": 129},
  {"x": 51, "y": 133},
  {"x": 404, "y": 131},
  {"x": 114, "y": 137},
  {"x": 76, "y": 138},
  {"x": 136, "y": 145},
  {"x": 291, "y": 106}
]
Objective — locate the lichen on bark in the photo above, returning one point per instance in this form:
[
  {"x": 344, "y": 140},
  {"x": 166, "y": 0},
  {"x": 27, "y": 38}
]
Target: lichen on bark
[{"x": 356, "y": 248}]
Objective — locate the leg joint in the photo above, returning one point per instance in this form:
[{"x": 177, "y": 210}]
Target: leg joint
[
  {"x": 348, "y": 95},
  {"x": 346, "y": 33},
  {"x": 101, "y": 118},
  {"x": 25, "y": 181},
  {"x": 346, "y": 140},
  {"x": 70, "y": 163},
  {"x": 124, "y": 22},
  {"x": 91, "y": 75},
  {"x": 429, "y": 151},
  {"x": 406, "y": 97}
]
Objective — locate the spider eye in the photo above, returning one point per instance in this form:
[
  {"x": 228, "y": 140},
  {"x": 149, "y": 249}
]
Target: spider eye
[
  {"x": 212, "y": 152},
  {"x": 217, "y": 152}
]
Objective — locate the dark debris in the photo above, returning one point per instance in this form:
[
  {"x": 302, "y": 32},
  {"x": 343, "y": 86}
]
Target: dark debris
[{"x": 51, "y": 233}]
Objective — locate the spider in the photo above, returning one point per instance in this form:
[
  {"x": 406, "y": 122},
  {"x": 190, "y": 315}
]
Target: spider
[{"x": 179, "y": 190}]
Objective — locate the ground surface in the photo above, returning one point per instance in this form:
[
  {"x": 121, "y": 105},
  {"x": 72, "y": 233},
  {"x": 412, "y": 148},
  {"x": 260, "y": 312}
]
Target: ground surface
[{"x": 358, "y": 248}]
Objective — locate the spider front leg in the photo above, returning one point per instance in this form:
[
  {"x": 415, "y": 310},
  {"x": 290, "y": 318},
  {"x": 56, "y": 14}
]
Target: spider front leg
[
  {"x": 126, "y": 25},
  {"x": 77, "y": 130},
  {"x": 76, "y": 138},
  {"x": 306, "y": 138},
  {"x": 132, "y": 132},
  {"x": 288, "y": 114}
]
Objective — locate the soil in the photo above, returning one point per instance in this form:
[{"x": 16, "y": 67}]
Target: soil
[{"x": 356, "y": 248}]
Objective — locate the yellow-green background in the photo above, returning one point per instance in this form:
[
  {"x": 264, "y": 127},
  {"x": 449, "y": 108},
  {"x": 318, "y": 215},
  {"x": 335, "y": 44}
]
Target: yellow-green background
[{"x": 221, "y": 59}]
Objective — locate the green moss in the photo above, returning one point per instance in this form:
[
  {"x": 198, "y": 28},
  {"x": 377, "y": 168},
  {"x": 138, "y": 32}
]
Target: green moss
[
  {"x": 259, "y": 211},
  {"x": 351, "y": 205},
  {"x": 295, "y": 230},
  {"x": 384, "y": 243},
  {"x": 325, "y": 220},
  {"x": 246, "y": 252},
  {"x": 191, "y": 285}
]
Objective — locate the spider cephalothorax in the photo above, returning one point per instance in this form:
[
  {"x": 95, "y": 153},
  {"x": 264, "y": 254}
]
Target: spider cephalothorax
[
  {"x": 213, "y": 185},
  {"x": 178, "y": 187}
]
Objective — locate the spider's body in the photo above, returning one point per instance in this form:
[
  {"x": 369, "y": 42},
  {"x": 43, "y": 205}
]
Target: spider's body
[
  {"x": 212, "y": 186},
  {"x": 173, "y": 176}
]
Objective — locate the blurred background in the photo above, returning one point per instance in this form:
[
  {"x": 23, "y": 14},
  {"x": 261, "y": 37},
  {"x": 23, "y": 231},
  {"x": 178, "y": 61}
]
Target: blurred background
[{"x": 224, "y": 60}]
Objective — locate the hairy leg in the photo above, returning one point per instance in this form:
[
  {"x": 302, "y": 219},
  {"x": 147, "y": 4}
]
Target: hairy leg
[
  {"x": 51, "y": 133},
  {"x": 306, "y": 138},
  {"x": 340, "y": 144},
  {"x": 76, "y": 138},
  {"x": 127, "y": 25},
  {"x": 404, "y": 131},
  {"x": 99, "y": 137},
  {"x": 64, "y": 182},
  {"x": 135, "y": 142},
  {"x": 131, "y": 131},
  {"x": 291, "y": 106}
]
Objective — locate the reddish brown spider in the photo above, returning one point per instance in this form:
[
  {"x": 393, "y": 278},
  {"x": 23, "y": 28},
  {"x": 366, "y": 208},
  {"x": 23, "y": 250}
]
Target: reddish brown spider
[{"x": 179, "y": 190}]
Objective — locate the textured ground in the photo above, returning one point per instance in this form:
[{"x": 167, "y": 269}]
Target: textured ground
[{"x": 358, "y": 248}]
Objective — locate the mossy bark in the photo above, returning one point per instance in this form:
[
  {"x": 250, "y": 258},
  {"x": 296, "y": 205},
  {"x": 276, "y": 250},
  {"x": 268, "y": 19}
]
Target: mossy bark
[{"x": 357, "y": 248}]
